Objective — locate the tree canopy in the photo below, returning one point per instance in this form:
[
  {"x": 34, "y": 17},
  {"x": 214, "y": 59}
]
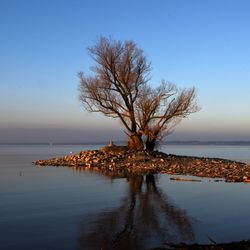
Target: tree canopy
[{"x": 119, "y": 88}]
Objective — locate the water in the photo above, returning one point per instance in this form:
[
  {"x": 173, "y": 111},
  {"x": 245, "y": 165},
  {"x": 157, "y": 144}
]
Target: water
[
  {"x": 58, "y": 208},
  {"x": 232, "y": 152}
]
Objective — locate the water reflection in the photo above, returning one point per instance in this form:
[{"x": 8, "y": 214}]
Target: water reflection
[{"x": 145, "y": 219}]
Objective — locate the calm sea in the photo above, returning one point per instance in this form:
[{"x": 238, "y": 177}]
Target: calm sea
[{"x": 61, "y": 208}]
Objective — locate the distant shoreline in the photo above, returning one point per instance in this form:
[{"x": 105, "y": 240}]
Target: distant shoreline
[{"x": 174, "y": 142}]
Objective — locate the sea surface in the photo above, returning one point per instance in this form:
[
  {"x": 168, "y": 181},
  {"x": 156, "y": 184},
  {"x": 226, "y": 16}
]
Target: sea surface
[{"x": 61, "y": 208}]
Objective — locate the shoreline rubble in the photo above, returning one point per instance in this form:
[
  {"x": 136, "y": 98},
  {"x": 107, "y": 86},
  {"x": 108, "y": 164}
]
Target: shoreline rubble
[{"x": 120, "y": 161}]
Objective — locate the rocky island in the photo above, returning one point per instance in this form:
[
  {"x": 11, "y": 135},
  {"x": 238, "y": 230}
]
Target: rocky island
[{"x": 121, "y": 161}]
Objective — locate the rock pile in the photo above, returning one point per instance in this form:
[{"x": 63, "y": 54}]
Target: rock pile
[{"x": 120, "y": 161}]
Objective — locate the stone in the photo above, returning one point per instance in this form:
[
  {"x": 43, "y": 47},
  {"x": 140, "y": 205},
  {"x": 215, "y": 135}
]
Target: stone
[{"x": 122, "y": 161}]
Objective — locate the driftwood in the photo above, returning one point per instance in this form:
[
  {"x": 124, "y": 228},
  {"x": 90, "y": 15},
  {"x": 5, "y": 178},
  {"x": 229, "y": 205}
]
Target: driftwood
[
  {"x": 183, "y": 179},
  {"x": 241, "y": 245}
]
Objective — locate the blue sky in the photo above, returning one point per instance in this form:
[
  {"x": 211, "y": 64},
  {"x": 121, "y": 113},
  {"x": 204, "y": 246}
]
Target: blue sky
[{"x": 43, "y": 46}]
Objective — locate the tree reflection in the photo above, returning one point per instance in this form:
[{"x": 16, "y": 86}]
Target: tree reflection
[{"x": 146, "y": 219}]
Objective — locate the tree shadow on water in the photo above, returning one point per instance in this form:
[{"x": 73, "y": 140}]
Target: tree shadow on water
[{"x": 145, "y": 219}]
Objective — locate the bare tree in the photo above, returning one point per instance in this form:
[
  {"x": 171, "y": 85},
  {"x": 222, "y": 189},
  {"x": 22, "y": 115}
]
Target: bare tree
[
  {"x": 121, "y": 70},
  {"x": 160, "y": 109},
  {"x": 118, "y": 89}
]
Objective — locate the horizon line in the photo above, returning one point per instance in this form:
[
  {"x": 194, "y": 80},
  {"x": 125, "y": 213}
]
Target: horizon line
[{"x": 120, "y": 142}]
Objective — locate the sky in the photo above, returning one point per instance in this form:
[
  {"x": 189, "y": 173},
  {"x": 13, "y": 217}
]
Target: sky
[{"x": 43, "y": 44}]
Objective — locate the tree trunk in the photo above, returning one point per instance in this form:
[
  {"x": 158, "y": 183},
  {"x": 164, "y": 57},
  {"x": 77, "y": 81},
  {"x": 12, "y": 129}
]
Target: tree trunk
[
  {"x": 150, "y": 144},
  {"x": 135, "y": 142}
]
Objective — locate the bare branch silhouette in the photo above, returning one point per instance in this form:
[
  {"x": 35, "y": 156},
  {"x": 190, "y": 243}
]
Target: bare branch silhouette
[
  {"x": 160, "y": 109},
  {"x": 119, "y": 89}
]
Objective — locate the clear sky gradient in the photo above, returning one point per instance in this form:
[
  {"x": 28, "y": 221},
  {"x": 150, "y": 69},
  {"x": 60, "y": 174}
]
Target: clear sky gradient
[{"x": 43, "y": 46}]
